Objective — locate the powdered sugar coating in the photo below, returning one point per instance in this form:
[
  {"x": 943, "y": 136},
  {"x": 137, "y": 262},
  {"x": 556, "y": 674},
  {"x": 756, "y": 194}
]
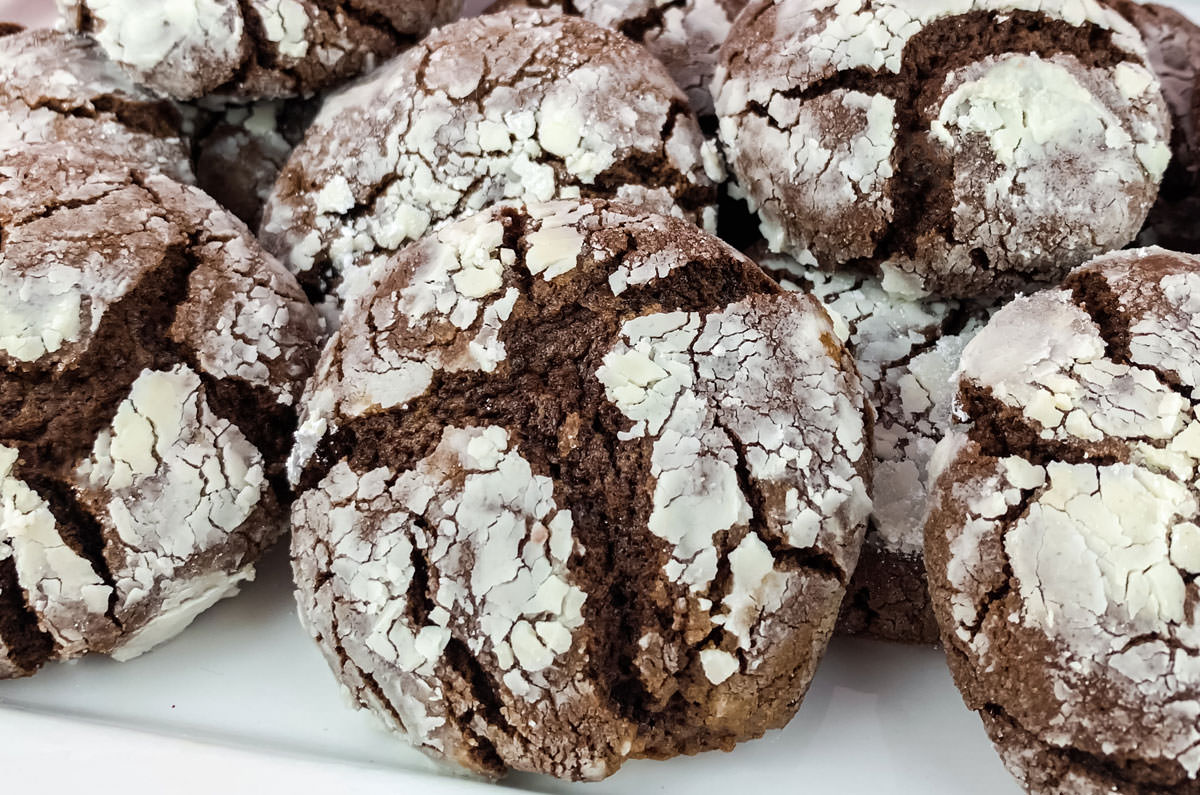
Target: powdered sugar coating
[
  {"x": 494, "y": 548},
  {"x": 55, "y": 86},
  {"x": 244, "y": 318},
  {"x": 715, "y": 420},
  {"x": 850, "y": 34},
  {"x": 188, "y": 31},
  {"x": 69, "y": 597},
  {"x": 260, "y": 49},
  {"x": 452, "y": 292},
  {"x": 942, "y": 137},
  {"x": 518, "y": 106},
  {"x": 717, "y": 392},
  {"x": 146, "y": 406},
  {"x": 687, "y": 39},
  {"x": 1013, "y": 125},
  {"x": 172, "y": 482},
  {"x": 666, "y": 373},
  {"x": 685, "y": 35},
  {"x": 1063, "y": 541}
]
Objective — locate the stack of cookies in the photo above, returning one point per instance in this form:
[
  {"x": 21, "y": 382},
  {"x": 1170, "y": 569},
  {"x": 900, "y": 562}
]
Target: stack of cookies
[{"x": 571, "y": 479}]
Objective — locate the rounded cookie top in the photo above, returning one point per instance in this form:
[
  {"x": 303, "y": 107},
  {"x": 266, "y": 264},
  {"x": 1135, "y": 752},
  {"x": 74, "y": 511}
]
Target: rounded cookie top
[
  {"x": 1173, "y": 48},
  {"x": 1062, "y": 543},
  {"x": 907, "y": 349},
  {"x": 55, "y": 86},
  {"x": 578, "y": 483},
  {"x": 151, "y": 355},
  {"x": 685, "y": 35},
  {"x": 520, "y": 105},
  {"x": 252, "y": 49},
  {"x": 969, "y": 146}
]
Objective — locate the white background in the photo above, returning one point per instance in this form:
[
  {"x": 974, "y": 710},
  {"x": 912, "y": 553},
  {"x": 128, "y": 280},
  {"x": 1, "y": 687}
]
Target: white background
[{"x": 27, "y": 12}]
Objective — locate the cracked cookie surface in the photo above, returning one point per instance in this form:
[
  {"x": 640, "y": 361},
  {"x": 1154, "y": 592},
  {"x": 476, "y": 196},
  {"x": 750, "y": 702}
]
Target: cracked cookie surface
[
  {"x": 578, "y": 484},
  {"x": 685, "y": 35},
  {"x": 57, "y": 87},
  {"x": 252, "y": 49},
  {"x": 520, "y": 105},
  {"x": 907, "y": 349},
  {"x": 1062, "y": 543},
  {"x": 968, "y": 147},
  {"x": 1173, "y": 48},
  {"x": 151, "y": 354}
]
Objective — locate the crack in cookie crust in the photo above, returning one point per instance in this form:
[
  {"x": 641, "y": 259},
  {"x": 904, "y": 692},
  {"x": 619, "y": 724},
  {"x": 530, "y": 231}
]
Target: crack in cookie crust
[
  {"x": 1062, "y": 542},
  {"x": 944, "y": 141},
  {"x": 150, "y": 356},
  {"x": 671, "y": 513},
  {"x": 515, "y": 106}
]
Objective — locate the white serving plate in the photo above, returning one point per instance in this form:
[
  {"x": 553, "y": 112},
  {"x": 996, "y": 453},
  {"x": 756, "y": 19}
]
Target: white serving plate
[{"x": 243, "y": 702}]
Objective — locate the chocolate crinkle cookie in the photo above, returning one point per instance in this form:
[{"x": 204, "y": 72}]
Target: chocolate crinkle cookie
[
  {"x": 1063, "y": 543},
  {"x": 967, "y": 148},
  {"x": 685, "y": 35},
  {"x": 1173, "y": 44},
  {"x": 252, "y": 49},
  {"x": 578, "y": 484},
  {"x": 55, "y": 86},
  {"x": 240, "y": 149},
  {"x": 151, "y": 355},
  {"x": 907, "y": 349},
  {"x": 520, "y": 105}
]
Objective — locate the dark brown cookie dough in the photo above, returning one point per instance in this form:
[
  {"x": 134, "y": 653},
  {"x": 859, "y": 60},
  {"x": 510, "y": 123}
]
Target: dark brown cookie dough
[
  {"x": 578, "y": 484},
  {"x": 252, "y": 49},
  {"x": 967, "y": 148},
  {"x": 240, "y": 150},
  {"x": 907, "y": 349},
  {"x": 520, "y": 105},
  {"x": 55, "y": 86},
  {"x": 1173, "y": 45},
  {"x": 1062, "y": 545},
  {"x": 685, "y": 35},
  {"x": 150, "y": 358}
]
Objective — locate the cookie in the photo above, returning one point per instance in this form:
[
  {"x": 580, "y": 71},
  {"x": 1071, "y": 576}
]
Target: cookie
[
  {"x": 1062, "y": 542},
  {"x": 967, "y": 148},
  {"x": 578, "y": 484},
  {"x": 246, "y": 50},
  {"x": 907, "y": 350},
  {"x": 241, "y": 149},
  {"x": 520, "y": 105},
  {"x": 1173, "y": 44},
  {"x": 58, "y": 87},
  {"x": 151, "y": 355},
  {"x": 685, "y": 35}
]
